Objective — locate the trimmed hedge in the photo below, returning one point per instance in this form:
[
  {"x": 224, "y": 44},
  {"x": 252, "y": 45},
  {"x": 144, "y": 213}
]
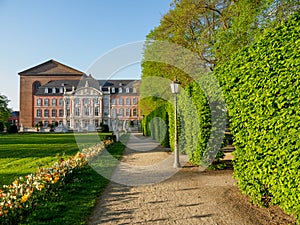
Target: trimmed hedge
[
  {"x": 261, "y": 85},
  {"x": 156, "y": 124},
  {"x": 193, "y": 120}
]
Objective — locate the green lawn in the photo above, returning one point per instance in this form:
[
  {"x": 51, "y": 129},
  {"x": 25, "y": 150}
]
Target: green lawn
[
  {"x": 76, "y": 200},
  {"x": 22, "y": 154}
]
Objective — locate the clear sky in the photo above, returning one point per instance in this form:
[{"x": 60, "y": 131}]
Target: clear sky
[{"x": 73, "y": 32}]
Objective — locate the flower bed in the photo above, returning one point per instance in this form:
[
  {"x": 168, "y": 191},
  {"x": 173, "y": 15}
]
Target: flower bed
[{"x": 22, "y": 196}]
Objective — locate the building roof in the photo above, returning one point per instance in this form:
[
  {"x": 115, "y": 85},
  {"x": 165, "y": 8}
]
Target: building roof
[
  {"x": 52, "y": 68},
  {"x": 70, "y": 85}
]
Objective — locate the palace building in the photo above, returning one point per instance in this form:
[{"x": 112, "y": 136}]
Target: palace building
[{"x": 53, "y": 93}]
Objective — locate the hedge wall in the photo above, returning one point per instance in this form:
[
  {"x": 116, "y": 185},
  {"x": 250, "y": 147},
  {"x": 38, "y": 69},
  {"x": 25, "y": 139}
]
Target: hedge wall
[
  {"x": 156, "y": 125},
  {"x": 195, "y": 135},
  {"x": 195, "y": 122},
  {"x": 261, "y": 85}
]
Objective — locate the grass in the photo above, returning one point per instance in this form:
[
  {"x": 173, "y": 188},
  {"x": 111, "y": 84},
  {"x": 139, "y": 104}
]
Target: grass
[
  {"x": 21, "y": 154},
  {"x": 76, "y": 200}
]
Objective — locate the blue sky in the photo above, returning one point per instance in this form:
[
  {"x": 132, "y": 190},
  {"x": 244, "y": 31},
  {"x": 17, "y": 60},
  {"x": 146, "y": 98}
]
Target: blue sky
[{"x": 74, "y": 32}]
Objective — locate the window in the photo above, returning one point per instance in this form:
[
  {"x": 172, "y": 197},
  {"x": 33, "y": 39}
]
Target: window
[
  {"x": 127, "y": 112},
  {"x": 113, "y": 90},
  {"x": 67, "y": 101},
  {"x": 68, "y": 112},
  {"x": 127, "y": 90},
  {"x": 134, "y": 101},
  {"x": 134, "y": 112},
  {"x": 61, "y": 90},
  {"x": 127, "y": 101},
  {"x": 46, "y": 101},
  {"x": 113, "y": 101},
  {"x": 96, "y": 101},
  {"x": 46, "y": 90},
  {"x": 60, "y": 101},
  {"x": 85, "y": 123},
  {"x": 121, "y": 112},
  {"x": 53, "y": 113},
  {"x": 120, "y": 90},
  {"x": 77, "y": 111},
  {"x": 96, "y": 111},
  {"x": 106, "y": 102},
  {"x": 36, "y": 86},
  {"x": 46, "y": 113},
  {"x": 87, "y": 111},
  {"x": 113, "y": 113},
  {"x": 39, "y": 102},
  {"x": 86, "y": 101},
  {"x": 38, "y": 113},
  {"x": 76, "y": 101},
  {"x": 53, "y": 90},
  {"x": 120, "y": 101},
  {"x": 53, "y": 101},
  {"x": 61, "y": 113}
]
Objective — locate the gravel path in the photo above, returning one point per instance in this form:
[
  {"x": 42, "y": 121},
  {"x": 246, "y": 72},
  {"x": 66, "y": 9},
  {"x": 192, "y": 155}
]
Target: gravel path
[{"x": 187, "y": 197}]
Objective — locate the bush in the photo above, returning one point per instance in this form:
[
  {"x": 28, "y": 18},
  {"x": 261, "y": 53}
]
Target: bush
[
  {"x": 13, "y": 129},
  {"x": 261, "y": 86},
  {"x": 1, "y": 126},
  {"x": 104, "y": 128}
]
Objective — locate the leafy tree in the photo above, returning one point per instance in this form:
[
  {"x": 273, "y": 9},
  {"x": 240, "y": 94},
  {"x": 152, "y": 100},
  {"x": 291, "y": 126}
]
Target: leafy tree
[
  {"x": 4, "y": 110},
  {"x": 212, "y": 29},
  {"x": 215, "y": 29}
]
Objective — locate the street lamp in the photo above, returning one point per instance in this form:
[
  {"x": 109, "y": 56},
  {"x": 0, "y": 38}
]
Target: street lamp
[
  {"x": 175, "y": 90},
  {"x": 142, "y": 125}
]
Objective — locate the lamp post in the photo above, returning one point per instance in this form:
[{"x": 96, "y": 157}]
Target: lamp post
[
  {"x": 142, "y": 125},
  {"x": 175, "y": 90}
]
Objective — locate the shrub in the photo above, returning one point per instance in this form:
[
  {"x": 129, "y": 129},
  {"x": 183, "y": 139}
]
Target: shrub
[
  {"x": 261, "y": 86},
  {"x": 13, "y": 129}
]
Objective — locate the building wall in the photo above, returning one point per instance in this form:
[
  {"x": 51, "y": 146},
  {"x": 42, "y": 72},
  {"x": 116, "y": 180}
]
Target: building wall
[
  {"x": 27, "y": 92},
  {"x": 47, "y": 120}
]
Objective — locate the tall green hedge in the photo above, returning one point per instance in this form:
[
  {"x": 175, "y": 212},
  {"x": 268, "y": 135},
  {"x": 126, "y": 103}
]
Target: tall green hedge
[
  {"x": 194, "y": 121},
  {"x": 156, "y": 124},
  {"x": 261, "y": 85}
]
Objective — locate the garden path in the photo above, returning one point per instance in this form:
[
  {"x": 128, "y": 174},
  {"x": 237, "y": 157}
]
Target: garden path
[{"x": 188, "y": 196}]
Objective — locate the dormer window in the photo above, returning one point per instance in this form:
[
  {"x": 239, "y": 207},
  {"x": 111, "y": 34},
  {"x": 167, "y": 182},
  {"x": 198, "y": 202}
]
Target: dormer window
[
  {"x": 46, "y": 90},
  {"x": 120, "y": 90},
  {"x": 113, "y": 90},
  {"x": 61, "y": 90},
  {"x": 127, "y": 90},
  {"x": 53, "y": 90}
]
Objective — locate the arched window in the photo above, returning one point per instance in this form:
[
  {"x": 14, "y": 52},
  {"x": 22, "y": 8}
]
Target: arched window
[{"x": 35, "y": 86}]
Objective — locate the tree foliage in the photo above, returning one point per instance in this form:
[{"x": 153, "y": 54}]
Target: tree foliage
[
  {"x": 4, "y": 110},
  {"x": 214, "y": 30},
  {"x": 261, "y": 86}
]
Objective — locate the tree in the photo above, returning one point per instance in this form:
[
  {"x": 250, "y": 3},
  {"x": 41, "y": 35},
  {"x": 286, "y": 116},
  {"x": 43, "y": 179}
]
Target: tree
[
  {"x": 215, "y": 29},
  {"x": 4, "y": 110},
  {"x": 212, "y": 29}
]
